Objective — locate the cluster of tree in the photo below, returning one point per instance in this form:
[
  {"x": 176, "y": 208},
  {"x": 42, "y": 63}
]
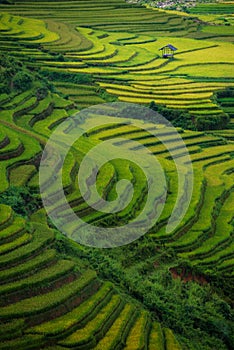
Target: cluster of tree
[
  {"x": 183, "y": 119},
  {"x": 105, "y": 95},
  {"x": 21, "y": 200},
  {"x": 78, "y": 78},
  {"x": 6, "y": 2},
  {"x": 212, "y": 122},
  {"x": 14, "y": 75},
  {"x": 228, "y": 92},
  {"x": 225, "y": 98},
  {"x": 178, "y": 117}
]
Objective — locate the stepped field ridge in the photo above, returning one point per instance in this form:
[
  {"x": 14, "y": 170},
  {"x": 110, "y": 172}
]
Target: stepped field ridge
[{"x": 166, "y": 290}]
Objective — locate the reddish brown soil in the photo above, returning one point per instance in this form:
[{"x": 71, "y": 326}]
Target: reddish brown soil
[
  {"x": 187, "y": 276},
  {"x": 156, "y": 264}
]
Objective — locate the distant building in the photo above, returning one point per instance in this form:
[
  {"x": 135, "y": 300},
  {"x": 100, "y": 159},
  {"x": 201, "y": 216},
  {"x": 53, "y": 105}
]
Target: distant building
[{"x": 168, "y": 51}]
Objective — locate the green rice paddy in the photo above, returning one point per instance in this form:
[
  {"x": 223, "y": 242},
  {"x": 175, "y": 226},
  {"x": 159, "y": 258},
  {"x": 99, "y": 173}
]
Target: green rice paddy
[{"x": 56, "y": 294}]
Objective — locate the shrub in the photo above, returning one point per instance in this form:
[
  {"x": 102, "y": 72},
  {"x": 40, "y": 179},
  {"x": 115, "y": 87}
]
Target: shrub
[
  {"x": 42, "y": 93},
  {"x": 78, "y": 78},
  {"x": 178, "y": 117},
  {"x": 22, "y": 81},
  {"x": 212, "y": 122},
  {"x": 20, "y": 199}
]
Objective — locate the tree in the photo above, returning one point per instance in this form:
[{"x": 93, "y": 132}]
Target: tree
[
  {"x": 22, "y": 81},
  {"x": 212, "y": 122},
  {"x": 22, "y": 201}
]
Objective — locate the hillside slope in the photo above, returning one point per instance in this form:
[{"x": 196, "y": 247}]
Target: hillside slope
[{"x": 165, "y": 291}]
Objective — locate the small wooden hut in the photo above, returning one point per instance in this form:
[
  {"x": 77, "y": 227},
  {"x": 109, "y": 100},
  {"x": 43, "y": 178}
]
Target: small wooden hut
[{"x": 168, "y": 51}]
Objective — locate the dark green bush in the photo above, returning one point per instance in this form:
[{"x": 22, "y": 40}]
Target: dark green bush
[
  {"x": 22, "y": 81},
  {"x": 178, "y": 117},
  {"x": 22, "y": 201},
  {"x": 67, "y": 77},
  {"x": 212, "y": 122}
]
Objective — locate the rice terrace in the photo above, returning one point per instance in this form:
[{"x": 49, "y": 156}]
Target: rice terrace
[{"x": 120, "y": 67}]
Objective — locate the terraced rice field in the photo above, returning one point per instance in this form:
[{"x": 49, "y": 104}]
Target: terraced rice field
[
  {"x": 98, "y": 42},
  {"x": 220, "y": 8},
  {"x": 25, "y": 248},
  {"x": 56, "y": 294},
  {"x": 214, "y": 191},
  {"x": 47, "y": 301}
]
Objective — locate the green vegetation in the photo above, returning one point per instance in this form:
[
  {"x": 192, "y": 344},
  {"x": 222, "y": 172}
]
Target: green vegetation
[
  {"x": 20, "y": 199},
  {"x": 217, "y": 8},
  {"x": 166, "y": 290}
]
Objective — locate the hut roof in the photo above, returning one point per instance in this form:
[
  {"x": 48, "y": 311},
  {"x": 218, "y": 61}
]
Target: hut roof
[{"x": 173, "y": 48}]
